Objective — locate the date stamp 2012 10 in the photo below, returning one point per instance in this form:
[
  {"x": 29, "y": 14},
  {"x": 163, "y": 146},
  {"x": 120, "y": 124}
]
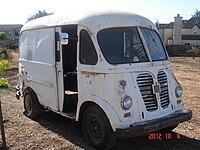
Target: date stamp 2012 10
[{"x": 163, "y": 136}]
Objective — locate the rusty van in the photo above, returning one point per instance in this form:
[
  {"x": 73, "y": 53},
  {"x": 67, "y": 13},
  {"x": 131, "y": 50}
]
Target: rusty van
[{"x": 109, "y": 70}]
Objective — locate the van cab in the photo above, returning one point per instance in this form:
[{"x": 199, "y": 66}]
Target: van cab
[{"x": 109, "y": 70}]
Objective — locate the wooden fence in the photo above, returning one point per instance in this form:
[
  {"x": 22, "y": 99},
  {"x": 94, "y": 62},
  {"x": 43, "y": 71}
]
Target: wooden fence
[{"x": 178, "y": 50}]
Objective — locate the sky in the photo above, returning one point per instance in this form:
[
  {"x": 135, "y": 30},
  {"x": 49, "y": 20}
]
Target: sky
[{"x": 163, "y": 11}]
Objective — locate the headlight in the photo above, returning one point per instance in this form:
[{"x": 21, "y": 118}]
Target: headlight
[
  {"x": 178, "y": 91},
  {"x": 126, "y": 102}
]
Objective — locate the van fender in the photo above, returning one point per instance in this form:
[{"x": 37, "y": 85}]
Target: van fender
[{"x": 104, "y": 105}]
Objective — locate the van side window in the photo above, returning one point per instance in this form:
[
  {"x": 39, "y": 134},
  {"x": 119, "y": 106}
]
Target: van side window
[
  {"x": 36, "y": 44},
  {"x": 88, "y": 53}
]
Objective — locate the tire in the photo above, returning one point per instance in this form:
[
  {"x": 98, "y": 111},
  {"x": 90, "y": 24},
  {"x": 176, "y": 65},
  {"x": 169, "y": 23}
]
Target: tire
[
  {"x": 32, "y": 107},
  {"x": 97, "y": 129}
]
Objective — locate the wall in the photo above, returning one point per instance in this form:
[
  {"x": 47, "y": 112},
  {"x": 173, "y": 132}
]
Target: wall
[
  {"x": 192, "y": 42},
  {"x": 165, "y": 35},
  {"x": 191, "y": 31}
]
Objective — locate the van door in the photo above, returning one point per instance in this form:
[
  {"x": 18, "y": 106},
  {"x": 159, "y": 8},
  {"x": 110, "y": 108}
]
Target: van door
[
  {"x": 59, "y": 68},
  {"x": 37, "y": 65}
]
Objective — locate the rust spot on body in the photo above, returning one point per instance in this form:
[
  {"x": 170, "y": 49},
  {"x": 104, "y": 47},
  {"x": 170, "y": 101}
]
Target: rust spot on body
[{"x": 88, "y": 74}]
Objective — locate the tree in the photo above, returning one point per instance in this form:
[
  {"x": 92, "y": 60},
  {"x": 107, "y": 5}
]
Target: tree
[
  {"x": 2, "y": 35},
  {"x": 196, "y": 14},
  {"x": 38, "y": 15},
  {"x": 195, "y": 18}
]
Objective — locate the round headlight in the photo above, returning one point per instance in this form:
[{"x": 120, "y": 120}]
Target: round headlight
[
  {"x": 178, "y": 91},
  {"x": 126, "y": 102}
]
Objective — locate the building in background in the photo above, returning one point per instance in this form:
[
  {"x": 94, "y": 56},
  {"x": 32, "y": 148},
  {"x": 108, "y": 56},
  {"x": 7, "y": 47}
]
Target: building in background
[
  {"x": 181, "y": 32},
  {"x": 11, "y": 30},
  {"x": 12, "y": 35}
]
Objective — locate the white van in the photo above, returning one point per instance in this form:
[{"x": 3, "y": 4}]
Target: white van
[{"x": 108, "y": 69}]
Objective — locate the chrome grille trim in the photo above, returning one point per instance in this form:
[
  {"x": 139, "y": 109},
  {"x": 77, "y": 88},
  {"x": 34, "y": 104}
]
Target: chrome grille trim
[
  {"x": 164, "y": 94},
  {"x": 145, "y": 82}
]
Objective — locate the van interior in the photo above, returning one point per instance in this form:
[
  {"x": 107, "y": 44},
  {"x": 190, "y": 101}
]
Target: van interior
[{"x": 69, "y": 57}]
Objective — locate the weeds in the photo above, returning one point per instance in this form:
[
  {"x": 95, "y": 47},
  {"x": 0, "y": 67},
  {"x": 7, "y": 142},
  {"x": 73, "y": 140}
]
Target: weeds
[
  {"x": 4, "y": 64},
  {"x": 4, "y": 83}
]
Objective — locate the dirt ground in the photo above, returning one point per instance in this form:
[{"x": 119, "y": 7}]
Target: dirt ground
[{"x": 54, "y": 132}]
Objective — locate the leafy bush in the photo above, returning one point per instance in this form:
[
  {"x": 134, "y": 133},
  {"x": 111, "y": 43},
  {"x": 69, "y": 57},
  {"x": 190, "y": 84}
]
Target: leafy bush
[
  {"x": 2, "y": 35},
  {"x": 4, "y": 64},
  {"x": 4, "y": 83},
  {"x": 2, "y": 56},
  {"x": 3, "y": 53},
  {"x": 195, "y": 51}
]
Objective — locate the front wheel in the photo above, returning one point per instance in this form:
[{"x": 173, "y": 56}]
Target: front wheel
[
  {"x": 32, "y": 106},
  {"x": 97, "y": 129}
]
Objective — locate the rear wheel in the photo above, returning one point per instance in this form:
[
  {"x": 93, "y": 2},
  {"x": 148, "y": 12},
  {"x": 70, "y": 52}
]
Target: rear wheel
[
  {"x": 32, "y": 106},
  {"x": 97, "y": 128}
]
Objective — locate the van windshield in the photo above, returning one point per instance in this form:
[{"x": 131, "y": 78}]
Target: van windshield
[
  {"x": 154, "y": 44},
  {"x": 124, "y": 45},
  {"x": 121, "y": 45}
]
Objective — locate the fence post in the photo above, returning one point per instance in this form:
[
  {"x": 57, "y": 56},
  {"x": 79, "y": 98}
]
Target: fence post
[{"x": 2, "y": 128}]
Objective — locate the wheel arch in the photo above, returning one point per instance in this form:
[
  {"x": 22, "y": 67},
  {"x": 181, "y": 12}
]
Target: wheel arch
[
  {"x": 108, "y": 110},
  {"x": 32, "y": 107},
  {"x": 29, "y": 88}
]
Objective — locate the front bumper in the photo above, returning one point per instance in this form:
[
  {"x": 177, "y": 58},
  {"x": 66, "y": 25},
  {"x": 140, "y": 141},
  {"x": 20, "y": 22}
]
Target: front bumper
[{"x": 153, "y": 125}]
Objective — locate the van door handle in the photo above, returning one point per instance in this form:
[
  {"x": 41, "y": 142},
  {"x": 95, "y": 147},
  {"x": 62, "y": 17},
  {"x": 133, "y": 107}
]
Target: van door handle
[{"x": 59, "y": 72}]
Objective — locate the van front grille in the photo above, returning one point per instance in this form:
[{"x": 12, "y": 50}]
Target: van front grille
[
  {"x": 145, "y": 82},
  {"x": 164, "y": 95}
]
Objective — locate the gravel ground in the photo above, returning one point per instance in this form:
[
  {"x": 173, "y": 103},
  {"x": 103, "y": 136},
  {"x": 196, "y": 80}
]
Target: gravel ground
[{"x": 54, "y": 132}]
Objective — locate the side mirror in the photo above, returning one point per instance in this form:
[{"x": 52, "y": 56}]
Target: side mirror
[{"x": 64, "y": 38}]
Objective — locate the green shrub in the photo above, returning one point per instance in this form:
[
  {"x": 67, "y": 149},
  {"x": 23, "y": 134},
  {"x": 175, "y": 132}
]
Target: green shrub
[
  {"x": 195, "y": 51},
  {"x": 4, "y": 83},
  {"x": 4, "y": 64},
  {"x": 3, "y": 53},
  {"x": 2, "y": 35},
  {"x": 2, "y": 56}
]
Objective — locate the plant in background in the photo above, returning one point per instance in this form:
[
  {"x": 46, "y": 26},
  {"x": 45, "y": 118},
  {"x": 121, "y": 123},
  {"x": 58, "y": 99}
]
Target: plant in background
[
  {"x": 195, "y": 51},
  {"x": 2, "y": 56},
  {"x": 4, "y": 83},
  {"x": 4, "y": 64},
  {"x": 2, "y": 35},
  {"x": 38, "y": 15},
  {"x": 3, "y": 53}
]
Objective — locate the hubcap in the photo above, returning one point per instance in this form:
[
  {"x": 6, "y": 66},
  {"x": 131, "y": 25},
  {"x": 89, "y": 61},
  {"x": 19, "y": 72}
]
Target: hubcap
[{"x": 95, "y": 128}]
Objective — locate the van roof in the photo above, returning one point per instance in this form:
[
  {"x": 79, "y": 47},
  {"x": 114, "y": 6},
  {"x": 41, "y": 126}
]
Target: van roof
[{"x": 93, "y": 21}]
